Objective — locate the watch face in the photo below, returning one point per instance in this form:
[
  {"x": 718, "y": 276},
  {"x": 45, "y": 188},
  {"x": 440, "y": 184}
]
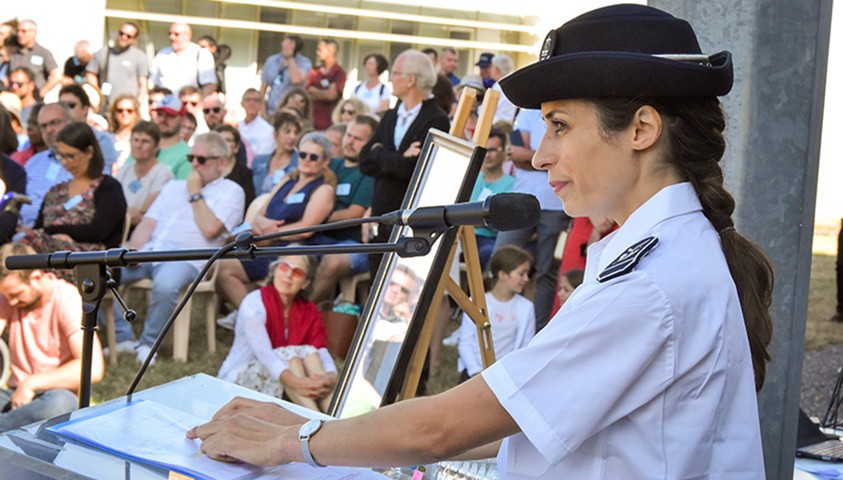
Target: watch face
[{"x": 309, "y": 428}]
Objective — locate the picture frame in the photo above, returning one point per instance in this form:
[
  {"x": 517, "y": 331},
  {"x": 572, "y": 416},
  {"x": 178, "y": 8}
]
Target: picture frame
[{"x": 403, "y": 288}]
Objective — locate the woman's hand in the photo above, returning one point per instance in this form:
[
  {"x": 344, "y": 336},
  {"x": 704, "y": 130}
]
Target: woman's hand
[
  {"x": 244, "y": 438},
  {"x": 263, "y": 225},
  {"x": 315, "y": 387}
]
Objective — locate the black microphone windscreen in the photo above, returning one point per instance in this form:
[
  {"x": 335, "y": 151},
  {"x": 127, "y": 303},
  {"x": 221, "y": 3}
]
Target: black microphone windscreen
[{"x": 513, "y": 211}]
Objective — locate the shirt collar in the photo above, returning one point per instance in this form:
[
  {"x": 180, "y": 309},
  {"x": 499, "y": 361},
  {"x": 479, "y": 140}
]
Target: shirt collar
[{"x": 669, "y": 202}]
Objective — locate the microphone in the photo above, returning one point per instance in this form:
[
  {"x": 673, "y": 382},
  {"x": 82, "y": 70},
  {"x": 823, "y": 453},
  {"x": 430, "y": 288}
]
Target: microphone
[
  {"x": 12, "y": 201},
  {"x": 502, "y": 212}
]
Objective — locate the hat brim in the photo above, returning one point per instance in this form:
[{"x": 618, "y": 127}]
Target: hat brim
[
  {"x": 167, "y": 110},
  {"x": 616, "y": 75}
]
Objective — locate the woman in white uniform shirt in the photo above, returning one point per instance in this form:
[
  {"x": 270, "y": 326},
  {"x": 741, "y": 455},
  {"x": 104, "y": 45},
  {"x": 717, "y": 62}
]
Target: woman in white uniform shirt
[{"x": 650, "y": 368}]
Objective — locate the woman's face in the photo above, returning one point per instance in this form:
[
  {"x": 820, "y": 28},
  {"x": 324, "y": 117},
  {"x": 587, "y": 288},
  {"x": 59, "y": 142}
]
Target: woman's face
[
  {"x": 125, "y": 113},
  {"x": 565, "y": 289},
  {"x": 347, "y": 112},
  {"x": 311, "y": 159},
  {"x": 143, "y": 147},
  {"x": 297, "y": 101},
  {"x": 286, "y": 136},
  {"x": 290, "y": 276},
  {"x": 73, "y": 160},
  {"x": 371, "y": 66},
  {"x": 517, "y": 279},
  {"x": 229, "y": 139},
  {"x": 593, "y": 175}
]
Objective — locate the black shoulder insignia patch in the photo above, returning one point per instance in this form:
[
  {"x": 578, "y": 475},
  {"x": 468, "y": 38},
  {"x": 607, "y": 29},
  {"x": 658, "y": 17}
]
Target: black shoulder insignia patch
[{"x": 628, "y": 259}]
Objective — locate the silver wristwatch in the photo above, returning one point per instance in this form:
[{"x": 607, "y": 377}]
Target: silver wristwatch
[{"x": 307, "y": 431}]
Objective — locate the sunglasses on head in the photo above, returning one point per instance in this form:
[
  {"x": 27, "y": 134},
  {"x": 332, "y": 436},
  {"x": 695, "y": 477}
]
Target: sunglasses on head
[
  {"x": 308, "y": 156},
  {"x": 212, "y": 109},
  {"x": 296, "y": 271},
  {"x": 200, "y": 158}
]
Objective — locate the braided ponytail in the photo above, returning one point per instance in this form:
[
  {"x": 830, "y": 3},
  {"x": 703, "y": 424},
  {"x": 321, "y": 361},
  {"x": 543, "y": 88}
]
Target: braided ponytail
[{"x": 693, "y": 128}]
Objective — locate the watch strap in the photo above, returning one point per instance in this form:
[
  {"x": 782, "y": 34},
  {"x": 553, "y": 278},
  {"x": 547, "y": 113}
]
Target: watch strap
[
  {"x": 304, "y": 438},
  {"x": 196, "y": 197}
]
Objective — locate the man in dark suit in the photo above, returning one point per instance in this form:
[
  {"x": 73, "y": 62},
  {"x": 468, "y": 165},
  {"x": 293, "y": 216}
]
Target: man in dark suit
[{"x": 392, "y": 152}]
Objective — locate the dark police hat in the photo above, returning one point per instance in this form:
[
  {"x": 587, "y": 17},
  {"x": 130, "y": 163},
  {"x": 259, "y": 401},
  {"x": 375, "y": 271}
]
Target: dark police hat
[{"x": 620, "y": 51}]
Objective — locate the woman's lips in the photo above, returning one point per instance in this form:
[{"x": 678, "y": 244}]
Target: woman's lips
[{"x": 558, "y": 185}]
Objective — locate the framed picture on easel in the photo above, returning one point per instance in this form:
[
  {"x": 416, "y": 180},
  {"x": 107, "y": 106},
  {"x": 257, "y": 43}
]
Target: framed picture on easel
[{"x": 401, "y": 293}]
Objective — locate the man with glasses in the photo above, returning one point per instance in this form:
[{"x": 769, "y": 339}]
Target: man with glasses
[
  {"x": 44, "y": 170},
  {"x": 195, "y": 213},
  {"x": 121, "y": 69},
  {"x": 191, "y": 98},
  {"x": 22, "y": 84},
  {"x": 168, "y": 115},
  {"x": 184, "y": 63},
  {"x": 35, "y": 57},
  {"x": 214, "y": 112}
]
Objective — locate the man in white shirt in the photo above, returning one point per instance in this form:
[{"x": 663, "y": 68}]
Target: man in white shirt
[
  {"x": 257, "y": 131},
  {"x": 184, "y": 63},
  {"x": 502, "y": 65},
  {"x": 196, "y": 213}
]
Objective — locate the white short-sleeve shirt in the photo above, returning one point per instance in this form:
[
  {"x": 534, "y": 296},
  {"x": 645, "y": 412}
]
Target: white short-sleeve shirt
[{"x": 646, "y": 375}]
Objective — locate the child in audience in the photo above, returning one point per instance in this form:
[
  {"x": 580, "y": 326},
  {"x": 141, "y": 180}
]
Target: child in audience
[
  {"x": 511, "y": 315},
  {"x": 568, "y": 282}
]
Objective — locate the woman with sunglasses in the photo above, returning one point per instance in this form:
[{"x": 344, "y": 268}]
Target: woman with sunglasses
[
  {"x": 347, "y": 109},
  {"x": 650, "y": 369},
  {"x": 123, "y": 114},
  {"x": 304, "y": 198},
  {"x": 280, "y": 345}
]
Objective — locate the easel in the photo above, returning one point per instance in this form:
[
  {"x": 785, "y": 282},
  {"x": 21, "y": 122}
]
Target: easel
[{"x": 475, "y": 305}]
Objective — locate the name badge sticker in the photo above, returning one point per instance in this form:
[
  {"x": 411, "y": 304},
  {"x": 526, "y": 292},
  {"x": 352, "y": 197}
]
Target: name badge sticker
[
  {"x": 52, "y": 171},
  {"x": 72, "y": 202},
  {"x": 344, "y": 189},
  {"x": 276, "y": 177},
  {"x": 106, "y": 89},
  {"x": 295, "y": 198},
  {"x": 135, "y": 186},
  {"x": 324, "y": 82},
  {"x": 37, "y": 60}
]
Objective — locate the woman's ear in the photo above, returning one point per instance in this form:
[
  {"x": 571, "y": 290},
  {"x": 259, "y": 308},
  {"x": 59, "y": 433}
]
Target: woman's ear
[{"x": 647, "y": 125}]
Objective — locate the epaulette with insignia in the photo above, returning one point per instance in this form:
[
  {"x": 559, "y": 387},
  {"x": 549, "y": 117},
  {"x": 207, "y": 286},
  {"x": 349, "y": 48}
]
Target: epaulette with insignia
[{"x": 628, "y": 259}]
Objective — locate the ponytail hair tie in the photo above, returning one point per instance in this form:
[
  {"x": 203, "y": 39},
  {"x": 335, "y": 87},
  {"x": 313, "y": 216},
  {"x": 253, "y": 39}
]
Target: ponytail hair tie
[{"x": 727, "y": 229}]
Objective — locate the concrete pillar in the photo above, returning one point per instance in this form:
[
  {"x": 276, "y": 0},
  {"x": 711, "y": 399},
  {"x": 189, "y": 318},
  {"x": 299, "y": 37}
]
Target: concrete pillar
[{"x": 775, "y": 112}]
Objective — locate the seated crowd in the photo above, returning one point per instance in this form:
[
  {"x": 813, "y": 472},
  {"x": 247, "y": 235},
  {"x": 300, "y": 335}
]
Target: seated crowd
[{"x": 153, "y": 150}]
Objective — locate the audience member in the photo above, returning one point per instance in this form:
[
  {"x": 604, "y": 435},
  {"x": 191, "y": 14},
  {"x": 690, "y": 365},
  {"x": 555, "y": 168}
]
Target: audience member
[
  {"x": 12, "y": 175},
  {"x": 156, "y": 94},
  {"x": 221, "y": 54},
  {"x": 552, "y": 221},
  {"x": 183, "y": 63},
  {"x": 143, "y": 179},
  {"x": 491, "y": 180},
  {"x": 448, "y": 63},
  {"x": 75, "y": 66},
  {"x": 36, "y": 305},
  {"x": 191, "y": 98},
  {"x": 188, "y": 127},
  {"x": 22, "y": 84},
  {"x": 485, "y": 66},
  {"x": 335, "y": 134},
  {"x": 213, "y": 110},
  {"x": 353, "y": 199},
  {"x": 347, "y": 109},
  {"x": 122, "y": 69},
  {"x": 299, "y": 100},
  {"x": 392, "y": 152},
  {"x": 302, "y": 199},
  {"x": 325, "y": 83},
  {"x": 432, "y": 54},
  {"x": 86, "y": 212},
  {"x": 35, "y": 57},
  {"x": 371, "y": 90},
  {"x": 474, "y": 82},
  {"x": 123, "y": 114},
  {"x": 443, "y": 93},
  {"x": 195, "y": 213},
  {"x": 8, "y": 44},
  {"x": 502, "y": 65},
  {"x": 511, "y": 316},
  {"x": 568, "y": 282},
  {"x": 8, "y": 137},
  {"x": 33, "y": 133},
  {"x": 233, "y": 170},
  {"x": 280, "y": 343},
  {"x": 43, "y": 170},
  {"x": 169, "y": 114},
  {"x": 254, "y": 128},
  {"x": 80, "y": 111},
  {"x": 13, "y": 107},
  {"x": 267, "y": 170},
  {"x": 283, "y": 71}
]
